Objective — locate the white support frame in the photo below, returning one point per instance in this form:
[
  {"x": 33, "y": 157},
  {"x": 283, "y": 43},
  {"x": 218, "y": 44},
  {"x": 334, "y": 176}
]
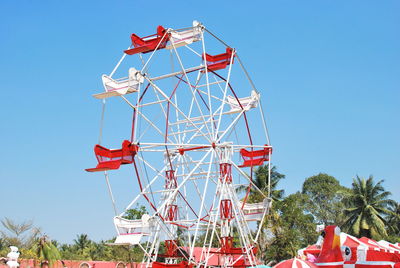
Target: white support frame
[{"x": 190, "y": 125}]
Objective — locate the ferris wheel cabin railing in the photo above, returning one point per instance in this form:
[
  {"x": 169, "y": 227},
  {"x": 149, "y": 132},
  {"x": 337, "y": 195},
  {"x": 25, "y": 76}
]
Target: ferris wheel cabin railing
[
  {"x": 109, "y": 159},
  {"x": 220, "y": 61},
  {"x": 182, "y": 264},
  {"x": 149, "y": 43},
  {"x": 247, "y": 102},
  {"x": 255, "y": 157},
  {"x": 256, "y": 211},
  {"x": 121, "y": 86},
  {"x": 131, "y": 232},
  {"x": 185, "y": 37}
]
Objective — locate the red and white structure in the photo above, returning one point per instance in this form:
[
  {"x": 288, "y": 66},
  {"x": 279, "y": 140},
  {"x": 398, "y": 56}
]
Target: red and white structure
[
  {"x": 338, "y": 250},
  {"x": 197, "y": 131},
  {"x": 295, "y": 263}
]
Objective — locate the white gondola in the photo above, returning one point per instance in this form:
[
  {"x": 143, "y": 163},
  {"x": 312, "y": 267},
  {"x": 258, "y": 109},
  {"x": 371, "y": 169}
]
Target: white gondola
[
  {"x": 118, "y": 87},
  {"x": 246, "y": 102},
  {"x": 131, "y": 232},
  {"x": 183, "y": 38},
  {"x": 256, "y": 211}
]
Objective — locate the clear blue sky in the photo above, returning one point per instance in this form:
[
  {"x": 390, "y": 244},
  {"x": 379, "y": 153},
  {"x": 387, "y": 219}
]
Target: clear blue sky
[{"x": 329, "y": 72}]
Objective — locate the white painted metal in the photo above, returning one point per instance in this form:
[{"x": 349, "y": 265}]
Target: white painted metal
[
  {"x": 186, "y": 37},
  {"x": 183, "y": 122},
  {"x": 118, "y": 87}
]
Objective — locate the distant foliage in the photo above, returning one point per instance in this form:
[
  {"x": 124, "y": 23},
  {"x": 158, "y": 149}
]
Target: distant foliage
[
  {"x": 367, "y": 209},
  {"x": 135, "y": 213},
  {"x": 324, "y": 200},
  {"x": 21, "y": 235},
  {"x": 260, "y": 179},
  {"x": 363, "y": 210},
  {"x": 46, "y": 251},
  {"x": 393, "y": 223},
  {"x": 290, "y": 228}
]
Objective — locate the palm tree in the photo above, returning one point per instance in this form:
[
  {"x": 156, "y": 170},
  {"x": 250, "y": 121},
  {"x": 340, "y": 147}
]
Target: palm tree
[
  {"x": 367, "y": 206},
  {"x": 82, "y": 241},
  {"x": 393, "y": 221},
  {"x": 261, "y": 181},
  {"x": 47, "y": 252}
]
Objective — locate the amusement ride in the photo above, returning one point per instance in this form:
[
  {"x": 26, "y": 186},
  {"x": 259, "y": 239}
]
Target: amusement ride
[{"x": 197, "y": 134}]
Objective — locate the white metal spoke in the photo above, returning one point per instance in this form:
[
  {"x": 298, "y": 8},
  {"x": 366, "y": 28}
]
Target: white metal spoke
[
  {"x": 185, "y": 156},
  {"x": 191, "y": 89}
]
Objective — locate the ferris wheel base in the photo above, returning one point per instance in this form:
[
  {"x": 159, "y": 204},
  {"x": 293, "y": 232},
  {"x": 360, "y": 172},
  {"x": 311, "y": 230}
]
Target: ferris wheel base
[{"x": 182, "y": 264}]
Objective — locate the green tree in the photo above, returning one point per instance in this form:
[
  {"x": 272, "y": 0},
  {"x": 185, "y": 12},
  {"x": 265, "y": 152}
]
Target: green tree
[
  {"x": 46, "y": 251},
  {"x": 260, "y": 179},
  {"x": 135, "y": 213},
  {"x": 81, "y": 242},
  {"x": 21, "y": 235},
  {"x": 324, "y": 198},
  {"x": 393, "y": 223},
  {"x": 290, "y": 228},
  {"x": 70, "y": 252},
  {"x": 367, "y": 207}
]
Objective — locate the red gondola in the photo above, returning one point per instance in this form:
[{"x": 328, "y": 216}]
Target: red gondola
[
  {"x": 113, "y": 158},
  {"x": 219, "y": 61},
  {"x": 256, "y": 157},
  {"x": 148, "y": 43}
]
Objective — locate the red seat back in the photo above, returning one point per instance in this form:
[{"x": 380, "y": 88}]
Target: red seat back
[
  {"x": 158, "y": 40},
  {"x": 113, "y": 158},
  {"x": 220, "y": 57},
  {"x": 126, "y": 153},
  {"x": 255, "y": 157}
]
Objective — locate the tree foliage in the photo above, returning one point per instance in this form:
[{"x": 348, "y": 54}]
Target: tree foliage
[
  {"x": 135, "y": 213},
  {"x": 47, "y": 251},
  {"x": 324, "y": 198},
  {"x": 22, "y": 234},
  {"x": 393, "y": 223},
  {"x": 290, "y": 225},
  {"x": 260, "y": 179},
  {"x": 367, "y": 208},
  {"x": 290, "y": 228}
]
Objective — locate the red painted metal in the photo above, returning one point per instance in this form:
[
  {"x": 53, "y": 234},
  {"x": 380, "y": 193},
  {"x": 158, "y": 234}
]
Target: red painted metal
[
  {"x": 225, "y": 171},
  {"x": 134, "y": 111},
  {"x": 226, "y": 244},
  {"x": 167, "y": 124},
  {"x": 109, "y": 159},
  {"x": 226, "y": 209},
  {"x": 149, "y": 43},
  {"x": 171, "y": 248},
  {"x": 170, "y": 179},
  {"x": 141, "y": 189},
  {"x": 182, "y": 264},
  {"x": 187, "y": 203},
  {"x": 172, "y": 212},
  {"x": 255, "y": 158},
  {"x": 219, "y": 61},
  {"x": 237, "y": 99},
  {"x": 183, "y": 150}
]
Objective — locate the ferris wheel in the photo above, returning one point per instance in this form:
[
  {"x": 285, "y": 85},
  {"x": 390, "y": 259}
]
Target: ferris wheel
[{"x": 197, "y": 132}]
